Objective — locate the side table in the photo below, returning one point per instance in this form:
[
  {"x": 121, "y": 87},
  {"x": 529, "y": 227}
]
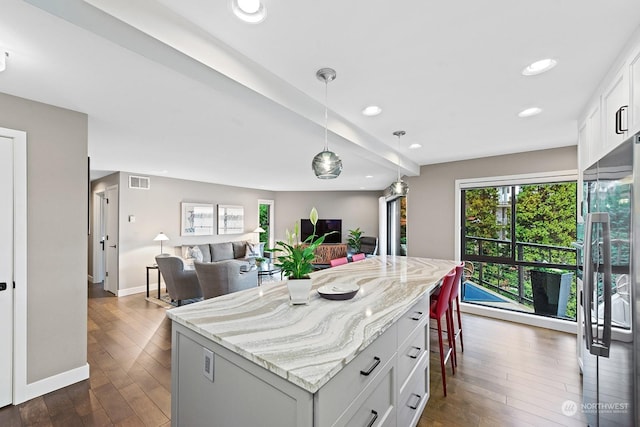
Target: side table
[
  {"x": 153, "y": 267},
  {"x": 267, "y": 270}
]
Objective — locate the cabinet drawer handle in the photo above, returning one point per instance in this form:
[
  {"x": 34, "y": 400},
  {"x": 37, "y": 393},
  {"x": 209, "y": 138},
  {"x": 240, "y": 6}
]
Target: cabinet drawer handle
[
  {"x": 415, "y": 405},
  {"x": 374, "y": 366},
  {"x": 417, "y": 316},
  {"x": 416, "y": 354},
  {"x": 374, "y": 417}
]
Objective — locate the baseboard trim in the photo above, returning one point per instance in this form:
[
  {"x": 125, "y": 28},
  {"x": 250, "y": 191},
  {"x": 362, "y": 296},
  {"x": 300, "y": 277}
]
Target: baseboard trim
[
  {"x": 524, "y": 318},
  {"x": 140, "y": 289},
  {"x": 53, "y": 383}
]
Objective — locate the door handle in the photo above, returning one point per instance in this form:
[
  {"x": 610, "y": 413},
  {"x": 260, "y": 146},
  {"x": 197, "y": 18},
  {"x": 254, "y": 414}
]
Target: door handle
[
  {"x": 3, "y": 286},
  {"x": 596, "y": 346},
  {"x": 112, "y": 246},
  {"x": 619, "y": 129},
  {"x": 102, "y": 244}
]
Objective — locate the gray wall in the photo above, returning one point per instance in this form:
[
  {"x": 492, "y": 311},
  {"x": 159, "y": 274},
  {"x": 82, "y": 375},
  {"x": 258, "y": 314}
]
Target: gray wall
[
  {"x": 355, "y": 208},
  {"x": 158, "y": 209},
  {"x": 431, "y": 200},
  {"x": 57, "y": 234}
]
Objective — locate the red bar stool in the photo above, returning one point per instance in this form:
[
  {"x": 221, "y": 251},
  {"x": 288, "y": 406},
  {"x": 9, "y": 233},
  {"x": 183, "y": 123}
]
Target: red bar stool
[
  {"x": 455, "y": 297},
  {"x": 339, "y": 261},
  {"x": 439, "y": 308}
]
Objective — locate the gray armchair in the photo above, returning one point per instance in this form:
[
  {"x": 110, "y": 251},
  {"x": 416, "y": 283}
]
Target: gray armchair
[
  {"x": 369, "y": 245},
  {"x": 181, "y": 284},
  {"x": 224, "y": 277}
]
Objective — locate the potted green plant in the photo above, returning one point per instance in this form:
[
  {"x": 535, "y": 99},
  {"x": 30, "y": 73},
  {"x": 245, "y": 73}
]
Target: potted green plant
[
  {"x": 295, "y": 259},
  {"x": 354, "y": 239}
]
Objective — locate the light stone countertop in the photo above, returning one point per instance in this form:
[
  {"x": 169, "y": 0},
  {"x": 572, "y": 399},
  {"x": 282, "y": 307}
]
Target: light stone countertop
[{"x": 309, "y": 344}]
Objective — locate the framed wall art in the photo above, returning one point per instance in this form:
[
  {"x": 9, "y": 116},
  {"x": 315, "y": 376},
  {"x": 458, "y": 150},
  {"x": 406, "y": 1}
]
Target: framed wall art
[
  {"x": 197, "y": 219},
  {"x": 230, "y": 219}
]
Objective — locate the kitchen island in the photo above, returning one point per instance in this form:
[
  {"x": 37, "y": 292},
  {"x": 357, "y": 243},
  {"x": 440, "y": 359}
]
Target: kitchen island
[{"x": 251, "y": 358}]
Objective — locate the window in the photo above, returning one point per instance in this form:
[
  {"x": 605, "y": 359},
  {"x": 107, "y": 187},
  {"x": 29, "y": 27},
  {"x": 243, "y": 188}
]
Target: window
[{"x": 519, "y": 237}]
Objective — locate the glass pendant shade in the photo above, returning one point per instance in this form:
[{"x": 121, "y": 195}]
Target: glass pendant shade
[
  {"x": 326, "y": 165},
  {"x": 398, "y": 188}
]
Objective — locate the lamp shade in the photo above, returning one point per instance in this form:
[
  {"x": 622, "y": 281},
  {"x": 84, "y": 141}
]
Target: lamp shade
[
  {"x": 161, "y": 237},
  {"x": 259, "y": 230}
]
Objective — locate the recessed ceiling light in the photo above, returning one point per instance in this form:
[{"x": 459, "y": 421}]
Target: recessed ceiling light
[
  {"x": 252, "y": 11},
  {"x": 369, "y": 176},
  {"x": 415, "y": 145},
  {"x": 539, "y": 67},
  {"x": 372, "y": 110},
  {"x": 530, "y": 112}
]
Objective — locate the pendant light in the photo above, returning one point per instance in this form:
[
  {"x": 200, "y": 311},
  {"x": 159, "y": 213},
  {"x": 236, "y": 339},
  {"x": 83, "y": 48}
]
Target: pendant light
[
  {"x": 398, "y": 188},
  {"x": 326, "y": 164}
]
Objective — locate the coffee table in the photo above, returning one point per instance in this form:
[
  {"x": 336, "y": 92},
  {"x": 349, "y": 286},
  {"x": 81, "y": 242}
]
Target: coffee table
[{"x": 267, "y": 270}]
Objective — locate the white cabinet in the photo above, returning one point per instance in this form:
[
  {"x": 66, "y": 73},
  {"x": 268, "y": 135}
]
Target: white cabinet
[
  {"x": 590, "y": 137},
  {"x": 613, "y": 114},
  {"x": 634, "y": 93},
  {"x": 615, "y": 103},
  {"x": 341, "y": 398}
]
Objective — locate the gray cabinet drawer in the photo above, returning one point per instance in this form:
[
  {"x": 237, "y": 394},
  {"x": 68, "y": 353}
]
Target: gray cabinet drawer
[
  {"x": 411, "y": 354},
  {"x": 378, "y": 409},
  {"x": 416, "y": 316},
  {"x": 414, "y": 397},
  {"x": 343, "y": 389}
]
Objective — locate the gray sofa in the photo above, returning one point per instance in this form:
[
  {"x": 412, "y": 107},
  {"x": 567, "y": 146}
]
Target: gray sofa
[
  {"x": 224, "y": 251},
  {"x": 223, "y": 277},
  {"x": 224, "y": 267}
]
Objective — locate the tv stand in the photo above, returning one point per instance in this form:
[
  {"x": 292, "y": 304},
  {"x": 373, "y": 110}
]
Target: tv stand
[{"x": 328, "y": 251}]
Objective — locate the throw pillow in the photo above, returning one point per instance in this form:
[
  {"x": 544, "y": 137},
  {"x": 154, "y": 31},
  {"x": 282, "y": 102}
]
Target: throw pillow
[
  {"x": 193, "y": 252},
  {"x": 253, "y": 250}
]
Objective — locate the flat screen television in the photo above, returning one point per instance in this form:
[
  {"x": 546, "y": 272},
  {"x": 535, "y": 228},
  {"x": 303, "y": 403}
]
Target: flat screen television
[{"x": 322, "y": 226}]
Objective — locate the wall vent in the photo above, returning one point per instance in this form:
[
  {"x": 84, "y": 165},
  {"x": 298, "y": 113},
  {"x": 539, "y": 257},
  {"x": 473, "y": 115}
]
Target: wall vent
[{"x": 139, "y": 182}]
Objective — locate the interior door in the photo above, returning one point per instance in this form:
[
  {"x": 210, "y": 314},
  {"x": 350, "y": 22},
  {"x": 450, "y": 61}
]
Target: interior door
[
  {"x": 6, "y": 271},
  {"x": 111, "y": 240}
]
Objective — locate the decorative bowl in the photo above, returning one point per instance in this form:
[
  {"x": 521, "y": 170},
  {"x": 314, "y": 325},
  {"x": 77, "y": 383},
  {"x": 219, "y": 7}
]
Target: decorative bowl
[{"x": 340, "y": 291}]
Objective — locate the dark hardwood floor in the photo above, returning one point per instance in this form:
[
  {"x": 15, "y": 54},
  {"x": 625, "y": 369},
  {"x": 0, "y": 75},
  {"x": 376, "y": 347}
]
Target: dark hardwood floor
[{"x": 509, "y": 375}]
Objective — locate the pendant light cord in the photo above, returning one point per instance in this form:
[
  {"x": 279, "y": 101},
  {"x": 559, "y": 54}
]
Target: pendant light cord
[
  {"x": 399, "y": 135},
  {"x": 326, "y": 114}
]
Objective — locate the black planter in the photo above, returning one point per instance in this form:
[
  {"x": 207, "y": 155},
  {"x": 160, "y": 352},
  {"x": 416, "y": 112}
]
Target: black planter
[{"x": 550, "y": 292}]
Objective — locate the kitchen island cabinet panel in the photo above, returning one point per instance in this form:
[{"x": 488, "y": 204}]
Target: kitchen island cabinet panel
[{"x": 237, "y": 385}]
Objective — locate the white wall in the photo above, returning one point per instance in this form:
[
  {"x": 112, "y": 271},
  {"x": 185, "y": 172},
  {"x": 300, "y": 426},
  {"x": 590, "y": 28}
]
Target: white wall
[
  {"x": 431, "y": 201},
  {"x": 159, "y": 209},
  {"x": 57, "y": 234},
  {"x": 355, "y": 208}
]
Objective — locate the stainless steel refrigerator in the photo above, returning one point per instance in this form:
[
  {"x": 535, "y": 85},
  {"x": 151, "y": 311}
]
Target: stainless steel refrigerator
[{"x": 611, "y": 295}]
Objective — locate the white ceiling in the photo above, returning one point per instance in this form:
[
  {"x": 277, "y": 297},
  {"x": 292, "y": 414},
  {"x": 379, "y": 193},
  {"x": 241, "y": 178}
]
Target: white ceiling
[{"x": 184, "y": 89}]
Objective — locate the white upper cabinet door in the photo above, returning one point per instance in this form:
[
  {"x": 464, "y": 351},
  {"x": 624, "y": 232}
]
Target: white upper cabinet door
[
  {"x": 583, "y": 149},
  {"x": 615, "y": 105},
  {"x": 593, "y": 135},
  {"x": 634, "y": 101}
]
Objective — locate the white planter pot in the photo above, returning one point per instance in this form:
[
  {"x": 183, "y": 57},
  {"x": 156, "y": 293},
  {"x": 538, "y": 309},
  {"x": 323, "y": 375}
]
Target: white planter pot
[{"x": 299, "y": 290}]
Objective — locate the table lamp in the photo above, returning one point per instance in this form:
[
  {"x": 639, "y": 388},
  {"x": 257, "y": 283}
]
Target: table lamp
[
  {"x": 259, "y": 230},
  {"x": 161, "y": 237}
]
